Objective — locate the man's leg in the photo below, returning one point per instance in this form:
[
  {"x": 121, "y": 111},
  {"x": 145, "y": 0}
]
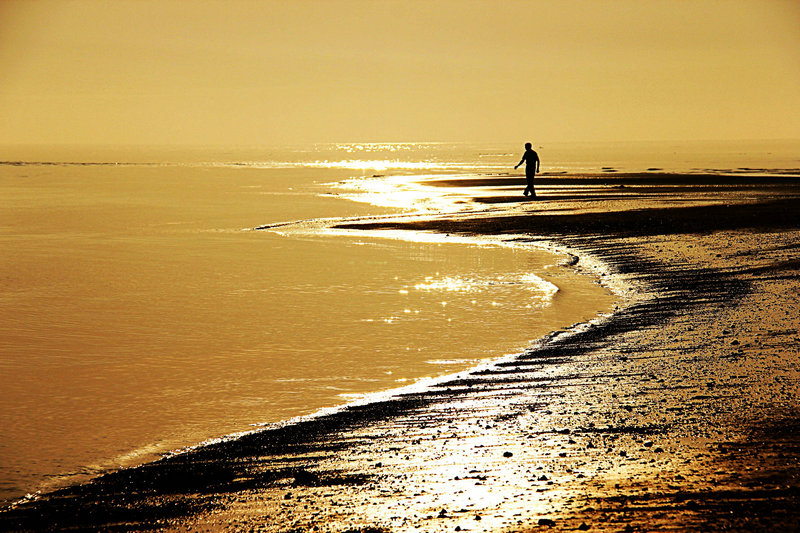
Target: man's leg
[{"x": 529, "y": 178}]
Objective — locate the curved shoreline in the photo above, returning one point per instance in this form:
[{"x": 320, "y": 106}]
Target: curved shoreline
[
  {"x": 126, "y": 495},
  {"x": 647, "y": 417},
  {"x": 67, "y": 481},
  {"x": 147, "y": 449}
]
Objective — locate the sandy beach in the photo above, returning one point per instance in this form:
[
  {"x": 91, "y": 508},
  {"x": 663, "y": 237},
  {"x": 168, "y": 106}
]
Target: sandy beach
[
  {"x": 268, "y": 266},
  {"x": 679, "y": 411}
]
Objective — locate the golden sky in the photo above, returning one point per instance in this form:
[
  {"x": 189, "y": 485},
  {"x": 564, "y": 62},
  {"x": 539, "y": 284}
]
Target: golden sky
[{"x": 282, "y": 72}]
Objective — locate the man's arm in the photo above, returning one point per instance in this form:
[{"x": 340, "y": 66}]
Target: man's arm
[
  {"x": 537, "y": 162},
  {"x": 520, "y": 162}
]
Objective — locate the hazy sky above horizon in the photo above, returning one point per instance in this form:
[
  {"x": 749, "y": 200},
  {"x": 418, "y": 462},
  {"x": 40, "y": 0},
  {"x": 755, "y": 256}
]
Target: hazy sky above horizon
[{"x": 267, "y": 72}]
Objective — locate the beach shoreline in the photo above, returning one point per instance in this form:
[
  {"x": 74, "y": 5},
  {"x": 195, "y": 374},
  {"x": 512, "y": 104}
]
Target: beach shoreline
[{"x": 678, "y": 410}]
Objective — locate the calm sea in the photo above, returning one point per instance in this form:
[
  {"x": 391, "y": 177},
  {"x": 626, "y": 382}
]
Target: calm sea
[{"x": 141, "y": 313}]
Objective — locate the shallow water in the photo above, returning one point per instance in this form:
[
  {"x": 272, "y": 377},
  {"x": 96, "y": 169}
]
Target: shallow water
[{"x": 140, "y": 313}]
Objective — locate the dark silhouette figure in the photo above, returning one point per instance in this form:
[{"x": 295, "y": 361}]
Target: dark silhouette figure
[{"x": 531, "y": 160}]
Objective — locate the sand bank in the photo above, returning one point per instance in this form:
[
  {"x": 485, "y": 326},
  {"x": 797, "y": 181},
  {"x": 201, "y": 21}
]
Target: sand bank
[{"x": 679, "y": 411}]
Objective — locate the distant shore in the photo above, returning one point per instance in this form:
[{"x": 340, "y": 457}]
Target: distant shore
[{"x": 679, "y": 411}]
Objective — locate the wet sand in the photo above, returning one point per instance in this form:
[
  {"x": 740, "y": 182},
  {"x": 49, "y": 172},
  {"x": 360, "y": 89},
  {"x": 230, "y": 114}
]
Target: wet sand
[{"x": 679, "y": 411}]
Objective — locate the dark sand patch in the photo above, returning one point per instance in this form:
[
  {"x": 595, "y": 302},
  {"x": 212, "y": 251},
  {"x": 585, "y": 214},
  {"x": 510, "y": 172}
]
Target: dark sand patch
[{"x": 652, "y": 179}]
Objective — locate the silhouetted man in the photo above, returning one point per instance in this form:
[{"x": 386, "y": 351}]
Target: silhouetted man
[{"x": 531, "y": 160}]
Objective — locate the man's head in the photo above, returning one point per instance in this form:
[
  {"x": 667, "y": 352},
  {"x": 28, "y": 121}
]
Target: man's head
[{"x": 528, "y": 146}]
